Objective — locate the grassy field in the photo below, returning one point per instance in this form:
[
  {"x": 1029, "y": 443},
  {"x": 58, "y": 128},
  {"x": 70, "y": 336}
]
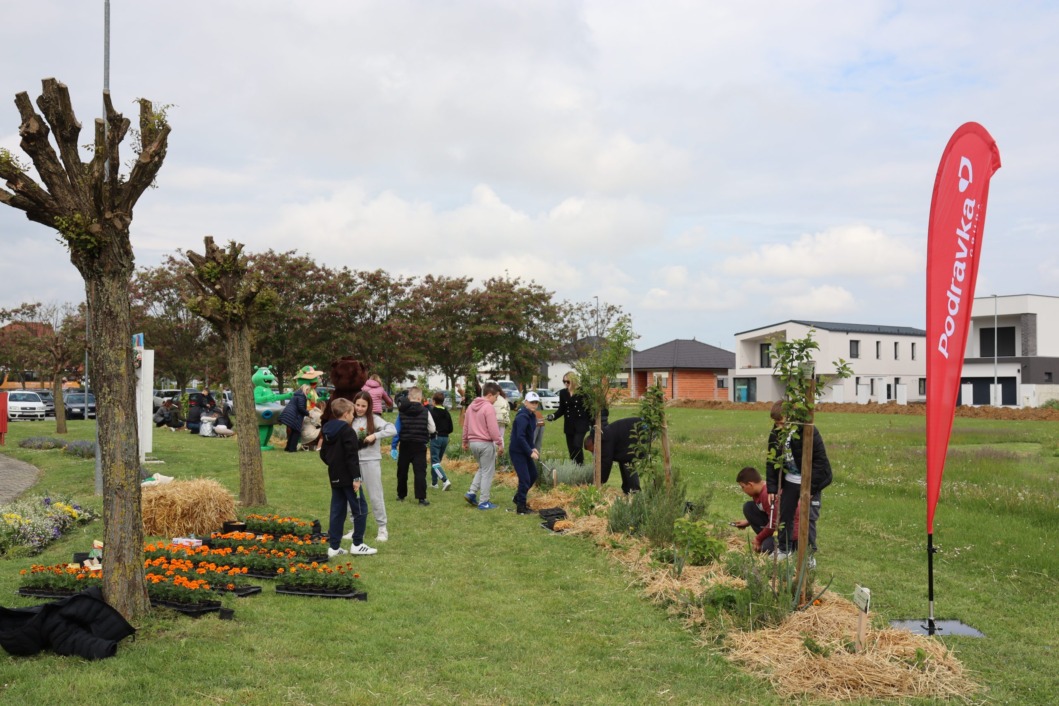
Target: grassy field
[{"x": 486, "y": 607}]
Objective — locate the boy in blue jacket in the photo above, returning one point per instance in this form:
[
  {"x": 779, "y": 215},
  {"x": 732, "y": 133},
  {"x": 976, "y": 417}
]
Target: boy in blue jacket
[
  {"x": 341, "y": 452},
  {"x": 522, "y": 452}
]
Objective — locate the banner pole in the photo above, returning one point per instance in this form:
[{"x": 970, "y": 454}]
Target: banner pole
[{"x": 930, "y": 583}]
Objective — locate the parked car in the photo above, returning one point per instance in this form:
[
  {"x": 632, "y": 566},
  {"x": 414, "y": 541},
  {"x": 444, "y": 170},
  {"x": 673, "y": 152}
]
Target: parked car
[
  {"x": 447, "y": 404},
  {"x": 549, "y": 399},
  {"x": 24, "y": 405},
  {"x": 48, "y": 399},
  {"x": 74, "y": 404},
  {"x": 511, "y": 392},
  {"x": 162, "y": 395}
]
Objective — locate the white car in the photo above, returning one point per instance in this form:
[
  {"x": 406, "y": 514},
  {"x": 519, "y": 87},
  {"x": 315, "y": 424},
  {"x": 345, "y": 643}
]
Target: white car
[
  {"x": 24, "y": 405},
  {"x": 549, "y": 399}
]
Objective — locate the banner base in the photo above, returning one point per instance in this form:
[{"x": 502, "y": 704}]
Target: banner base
[{"x": 942, "y": 628}]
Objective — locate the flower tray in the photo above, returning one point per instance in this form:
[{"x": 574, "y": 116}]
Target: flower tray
[
  {"x": 320, "y": 593},
  {"x": 239, "y": 591},
  {"x": 261, "y": 573},
  {"x": 195, "y": 610},
  {"x": 44, "y": 593}
]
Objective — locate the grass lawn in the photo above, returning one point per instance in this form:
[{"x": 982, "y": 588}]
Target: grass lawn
[{"x": 478, "y": 607}]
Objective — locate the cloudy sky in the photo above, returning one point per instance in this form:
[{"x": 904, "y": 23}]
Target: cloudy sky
[{"x": 711, "y": 167}]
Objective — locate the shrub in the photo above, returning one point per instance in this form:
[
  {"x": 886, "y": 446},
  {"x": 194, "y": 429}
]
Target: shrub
[
  {"x": 1051, "y": 404},
  {"x": 652, "y": 512},
  {"x": 566, "y": 472},
  {"x": 81, "y": 449},
  {"x": 698, "y": 542},
  {"x": 587, "y": 499},
  {"x": 42, "y": 443}
]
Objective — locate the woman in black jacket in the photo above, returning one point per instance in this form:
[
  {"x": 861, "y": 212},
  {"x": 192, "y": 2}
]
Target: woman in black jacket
[{"x": 576, "y": 421}]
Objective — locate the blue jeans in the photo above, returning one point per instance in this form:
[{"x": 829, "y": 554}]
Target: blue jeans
[
  {"x": 526, "y": 470},
  {"x": 343, "y": 500},
  {"x": 437, "y": 452}
]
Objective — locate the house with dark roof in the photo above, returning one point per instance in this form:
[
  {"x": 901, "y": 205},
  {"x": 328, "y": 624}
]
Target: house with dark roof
[
  {"x": 685, "y": 369},
  {"x": 888, "y": 362}
]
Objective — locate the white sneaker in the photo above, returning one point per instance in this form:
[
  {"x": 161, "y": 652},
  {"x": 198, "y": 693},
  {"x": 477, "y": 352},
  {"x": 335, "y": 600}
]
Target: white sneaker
[
  {"x": 383, "y": 535},
  {"x": 336, "y": 552},
  {"x": 348, "y": 535},
  {"x": 434, "y": 486},
  {"x": 447, "y": 485},
  {"x": 360, "y": 550}
]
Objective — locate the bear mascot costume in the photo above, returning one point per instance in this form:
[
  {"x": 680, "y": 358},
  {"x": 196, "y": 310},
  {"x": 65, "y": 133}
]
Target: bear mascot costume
[{"x": 348, "y": 376}]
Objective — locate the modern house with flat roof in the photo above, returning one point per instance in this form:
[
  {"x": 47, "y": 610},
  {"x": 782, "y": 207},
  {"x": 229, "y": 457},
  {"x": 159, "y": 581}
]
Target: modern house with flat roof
[
  {"x": 888, "y": 362},
  {"x": 1012, "y": 351}
]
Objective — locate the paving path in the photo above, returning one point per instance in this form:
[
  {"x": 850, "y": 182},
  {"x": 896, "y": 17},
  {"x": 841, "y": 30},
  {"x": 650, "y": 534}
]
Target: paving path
[{"x": 16, "y": 477}]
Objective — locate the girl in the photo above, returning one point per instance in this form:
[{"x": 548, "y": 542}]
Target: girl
[{"x": 374, "y": 428}]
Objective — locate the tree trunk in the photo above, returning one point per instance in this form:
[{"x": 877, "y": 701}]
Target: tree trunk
[
  {"x": 60, "y": 410},
  {"x": 124, "y": 584},
  {"x": 251, "y": 471}
]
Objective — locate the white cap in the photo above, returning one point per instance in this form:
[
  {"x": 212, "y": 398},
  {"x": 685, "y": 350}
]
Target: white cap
[{"x": 532, "y": 397}]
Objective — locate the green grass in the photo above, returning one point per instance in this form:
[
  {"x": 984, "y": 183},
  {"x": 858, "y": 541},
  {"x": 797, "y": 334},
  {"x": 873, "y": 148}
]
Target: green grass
[{"x": 483, "y": 608}]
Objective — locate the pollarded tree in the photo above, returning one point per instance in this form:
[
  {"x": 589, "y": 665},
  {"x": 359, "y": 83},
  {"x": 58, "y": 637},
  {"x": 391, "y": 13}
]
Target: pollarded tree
[
  {"x": 90, "y": 205},
  {"x": 230, "y": 300}
]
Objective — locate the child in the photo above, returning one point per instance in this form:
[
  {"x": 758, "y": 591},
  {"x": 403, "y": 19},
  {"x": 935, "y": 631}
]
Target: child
[
  {"x": 440, "y": 441},
  {"x": 523, "y": 454},
  {"x": 482, "y": 437},
  {"x": 416, "y": 426},
  {"x": 374, "y": 428},
  {"x": 341, "y": 455},
  {"x": 758, "y": 511},
  {"x": 292, "y": 416}
]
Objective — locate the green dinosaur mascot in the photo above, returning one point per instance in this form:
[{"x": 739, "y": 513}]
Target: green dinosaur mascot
[{"x": 267, "y": 403}]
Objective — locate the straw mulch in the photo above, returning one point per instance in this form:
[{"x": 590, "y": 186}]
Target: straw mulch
[
  {"x": 894, "y": 664},
  {"x": 186, "y": 507},
  {"x": 888, "y": 667}
]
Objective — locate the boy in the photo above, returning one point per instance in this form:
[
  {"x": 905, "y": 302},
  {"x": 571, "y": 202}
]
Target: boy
[
  {"x": 523, "y": 454},
  {"x": 340, "y": 451},
  {"x": 758, "y": 511},
  {"x": 415, "y": 426},
  {"x": 439, "y": 441},
  {"x": 481, "y": 436}
]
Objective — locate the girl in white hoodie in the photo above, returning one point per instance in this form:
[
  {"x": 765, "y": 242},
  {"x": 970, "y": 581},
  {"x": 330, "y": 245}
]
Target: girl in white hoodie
[{"x": 370, "y": 428}]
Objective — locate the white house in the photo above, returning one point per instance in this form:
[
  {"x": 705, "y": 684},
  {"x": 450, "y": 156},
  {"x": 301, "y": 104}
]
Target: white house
[
  {"x": 888, "y": 362},
  {"x": 1013, "y": 343}
]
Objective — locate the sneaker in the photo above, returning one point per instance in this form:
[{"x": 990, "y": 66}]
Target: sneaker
[
  {"x": 472, "y": 499},
  {"x": 812, "y": 562},
  {"x": 434, "y": 486},
  {"x": 447, "y": 484},
  {"x": 525, "y": 510},
  {"x": 361, "y": 550},
  {"x": 348, "y": 535},
  {"x": 336, "y": 552},
  {"x": 424, "y": 502},
  {"x": 400, "y": 500},
  {"x": 781, "y": 555},
  {"x": 486, "y": 506},
  {"x": 384, "y": 535}
]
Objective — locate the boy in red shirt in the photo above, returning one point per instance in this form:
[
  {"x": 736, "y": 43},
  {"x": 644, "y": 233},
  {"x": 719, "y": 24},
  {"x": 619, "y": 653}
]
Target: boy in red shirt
[{"x": 759, "y": 513}]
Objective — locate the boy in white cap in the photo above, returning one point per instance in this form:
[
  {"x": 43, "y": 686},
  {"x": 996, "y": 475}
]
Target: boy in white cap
[{"x": 522, "y": 452}]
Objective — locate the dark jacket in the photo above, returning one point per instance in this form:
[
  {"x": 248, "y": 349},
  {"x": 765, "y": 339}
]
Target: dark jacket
[
  {"x": 442, "y": 420},
  {"x": 619, "y": 442},
  {"x": 574, "y": 413},
  {"x": 82, "y": 625},
  {"x": 790, "y": 460},
  {"x": 413, "y": 418},
  {"x": 295, "y": 412},
  {"x": 340, "y": 452},
  {"x": 522, "y": 431}
]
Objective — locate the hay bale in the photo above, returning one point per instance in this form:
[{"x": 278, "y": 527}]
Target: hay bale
[{"x": 186, "y": 507}]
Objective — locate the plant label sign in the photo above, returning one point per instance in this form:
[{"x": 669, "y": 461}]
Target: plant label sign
[{"x": 862, "y": 598}]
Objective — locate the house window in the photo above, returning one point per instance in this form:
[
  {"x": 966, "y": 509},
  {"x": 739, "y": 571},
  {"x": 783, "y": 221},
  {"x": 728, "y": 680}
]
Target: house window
[
  {"x": 1005, "y": 341},
  {"x": 897, "y": 381},
  {"x": 878, "y": 350},
  {"x": 871, "y": 386},
  {"x": 766, "y": 357},
  {"x": 722, "y": 383},
  {"x": 922, "y": 386},
  {"x": 854, "y": 349},
  {"x": 897, "y": 350},
  {"x": 662, "y": 380},
  {"x": 913, "y": 350},
  {"x": 1047, "y": 376}
]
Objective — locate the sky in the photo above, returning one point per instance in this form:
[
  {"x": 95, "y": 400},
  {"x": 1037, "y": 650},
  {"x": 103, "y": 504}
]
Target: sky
[{"x": 710, "y": 167}]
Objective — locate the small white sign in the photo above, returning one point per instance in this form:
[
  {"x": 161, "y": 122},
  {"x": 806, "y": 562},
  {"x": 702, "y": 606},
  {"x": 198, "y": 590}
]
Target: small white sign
[{"x": 862, "y": 597}]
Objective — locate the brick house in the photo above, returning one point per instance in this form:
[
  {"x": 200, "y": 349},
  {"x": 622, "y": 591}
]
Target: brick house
[{"x": 686, "y": 369}]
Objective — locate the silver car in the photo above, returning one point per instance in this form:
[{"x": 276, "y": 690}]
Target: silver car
[{"x": 24, "y": 405}]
